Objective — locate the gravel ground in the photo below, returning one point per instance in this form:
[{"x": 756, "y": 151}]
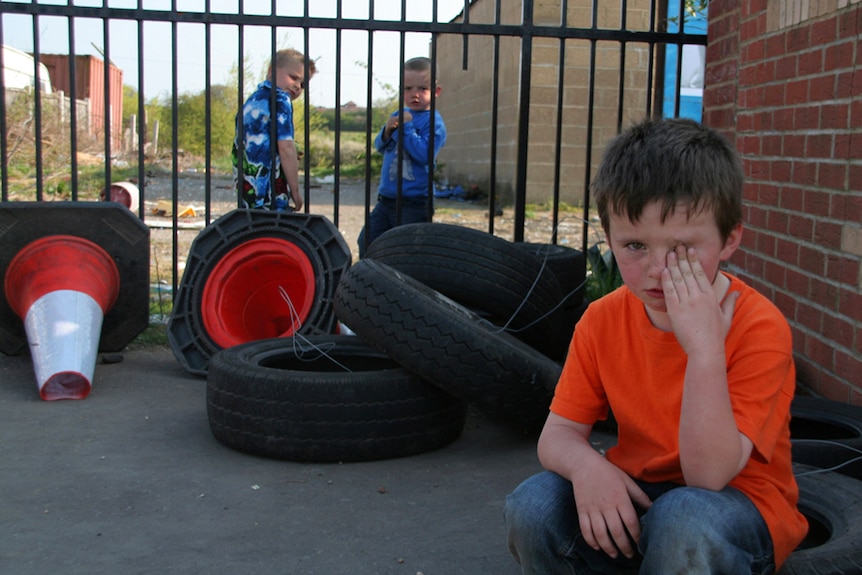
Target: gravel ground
[{"x": 344, "y": 206}]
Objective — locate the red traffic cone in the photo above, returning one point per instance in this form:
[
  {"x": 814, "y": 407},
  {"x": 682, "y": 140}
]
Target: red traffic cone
[{"x": 61, "y": 286}]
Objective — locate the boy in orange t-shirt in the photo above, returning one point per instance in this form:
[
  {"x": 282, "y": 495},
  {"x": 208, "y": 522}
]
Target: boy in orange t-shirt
[{"x": 697, "y": 368}]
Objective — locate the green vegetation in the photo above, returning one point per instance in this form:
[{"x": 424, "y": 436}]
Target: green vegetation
[
  {"x": 156, "y": 334},
  {"x": 603, "y": 274}
]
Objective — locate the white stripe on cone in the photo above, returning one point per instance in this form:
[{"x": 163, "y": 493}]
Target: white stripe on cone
[{"x": 63, "y": 328}]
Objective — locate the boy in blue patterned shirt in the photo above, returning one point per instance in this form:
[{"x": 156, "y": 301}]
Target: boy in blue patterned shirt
[{"x": 258, "y": 189}]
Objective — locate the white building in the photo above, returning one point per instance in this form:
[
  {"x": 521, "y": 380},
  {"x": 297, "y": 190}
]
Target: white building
[{"x": 19, "y": 70}]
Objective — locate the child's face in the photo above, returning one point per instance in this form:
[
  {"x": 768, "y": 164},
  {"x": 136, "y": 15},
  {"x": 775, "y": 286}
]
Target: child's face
[
  {"x": 290, "y": 78},
  {"x": 641, "y": 249},
  {"x": 417, "y": 90}
]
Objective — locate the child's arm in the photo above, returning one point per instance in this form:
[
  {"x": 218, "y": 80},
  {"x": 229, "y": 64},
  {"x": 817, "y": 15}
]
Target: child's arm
[
  {"x": 290, "y": 165},
  {"x": 604, "y": 494},
  {"x": 384, "y": 139},
  {"x": 416, "y": 142},
  {"x": 712, "y": 451}
]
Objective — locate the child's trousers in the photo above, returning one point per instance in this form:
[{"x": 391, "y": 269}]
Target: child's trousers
[
  {"x": 385, "y": 216},
  {"x": 687, "y": 530}
]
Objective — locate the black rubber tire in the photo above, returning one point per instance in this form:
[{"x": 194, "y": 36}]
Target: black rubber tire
[
  {"x": 317, "y": 237},
  {"x": 447, "y": 344},
  {"x": 832, "y": 503},
  {"x": 265, "y": 398},
  {"x": 827, "y": 434},
  {"x": 482, "y": 272},
  {"x": 569, "y": 266}
]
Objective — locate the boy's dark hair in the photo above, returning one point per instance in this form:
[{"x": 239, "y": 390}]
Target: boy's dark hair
[
  {"x": 422, "y": 64},
  {"x": 418, "y": 64},
  {"x": 671, "y": 161}
]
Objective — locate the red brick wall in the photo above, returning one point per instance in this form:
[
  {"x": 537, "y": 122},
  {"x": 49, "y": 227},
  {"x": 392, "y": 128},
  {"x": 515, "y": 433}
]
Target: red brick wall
[{"x": 787, "y": 89}]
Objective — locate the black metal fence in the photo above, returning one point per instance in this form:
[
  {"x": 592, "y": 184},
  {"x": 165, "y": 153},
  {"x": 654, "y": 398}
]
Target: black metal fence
[{"x": 601, "y": 26}]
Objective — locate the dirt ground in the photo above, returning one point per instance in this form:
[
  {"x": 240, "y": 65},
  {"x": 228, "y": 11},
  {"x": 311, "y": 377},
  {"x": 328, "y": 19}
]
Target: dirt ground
[{"x": 349, "y": 217}]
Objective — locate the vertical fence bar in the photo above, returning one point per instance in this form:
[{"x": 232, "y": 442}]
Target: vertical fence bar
[
  {"x": 465, "y": 38},
  {"x": 37, "y": 109},
  {"x": 4, "y": 172},
  {"x": 106, "y": 104},
  {"x": 306, "y": 106},
  {"x": 208, "y": 115},
  {"x": 524, "y": 121},
  {"x": 369, "y": 129},
  {"x": 589, "y": 151},
  {"x": 432, "y": 132},
  {"x": 273, "y": 111},
  {"x": 558, "y": 147},
  {"x": 400, "y": 168},
  {"x": 239, "y": 168},
  {"x": 495, "y": 117},
  {"x": 175, "y": 161},
  {"x": 336, "y": 159},
  {"x": 621, "y": 86},
  {"x": 73, "y": 111},
  {"x": 651, "y": 62},
  {"x": 679, "y": 47},
  {"x": 142, "y": 120}
]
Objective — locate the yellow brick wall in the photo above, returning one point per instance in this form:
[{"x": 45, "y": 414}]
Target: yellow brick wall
[{"x": 466, "y": 103}]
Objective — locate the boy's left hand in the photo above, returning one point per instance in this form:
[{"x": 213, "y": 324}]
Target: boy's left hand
[{"x": 699, "y": 321}]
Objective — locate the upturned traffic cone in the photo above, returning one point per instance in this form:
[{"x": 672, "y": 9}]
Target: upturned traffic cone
[{"x": 61, "y": 286}]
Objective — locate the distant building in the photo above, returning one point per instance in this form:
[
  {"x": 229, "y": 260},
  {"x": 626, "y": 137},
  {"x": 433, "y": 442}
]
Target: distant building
[{"x": 90, "y": 85}]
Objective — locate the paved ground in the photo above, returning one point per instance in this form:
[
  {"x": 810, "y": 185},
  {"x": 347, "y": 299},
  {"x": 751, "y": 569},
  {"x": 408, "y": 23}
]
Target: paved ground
[{"x": 130, "y": 480}]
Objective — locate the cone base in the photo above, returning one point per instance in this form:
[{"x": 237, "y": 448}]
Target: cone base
[{"x": 66, "y": 385}]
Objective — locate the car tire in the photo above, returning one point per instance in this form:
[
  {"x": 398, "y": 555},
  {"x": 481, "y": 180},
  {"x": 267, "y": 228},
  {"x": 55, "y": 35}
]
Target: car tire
[
  {"x": 484, "y": 273},
  {"x": 447, "y": 344},
  {"x": 325, "y": 399},
  {"x": 827, "y": 434},
  {"x": 832, "y": 503}
]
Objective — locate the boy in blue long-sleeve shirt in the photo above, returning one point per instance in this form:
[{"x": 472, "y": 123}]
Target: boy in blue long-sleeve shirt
[{"x": 415, "y": 168}]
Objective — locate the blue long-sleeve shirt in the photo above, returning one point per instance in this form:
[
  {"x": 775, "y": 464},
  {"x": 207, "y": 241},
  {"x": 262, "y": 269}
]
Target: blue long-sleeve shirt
[{"x": 415, "y": 171}]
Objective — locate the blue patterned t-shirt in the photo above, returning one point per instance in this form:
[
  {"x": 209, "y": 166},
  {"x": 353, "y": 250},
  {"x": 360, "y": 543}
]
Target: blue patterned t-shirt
[{"x": 258, "y": 148}]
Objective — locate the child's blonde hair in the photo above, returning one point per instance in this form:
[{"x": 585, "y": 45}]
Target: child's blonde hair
[{"x": 288, "y": 55}]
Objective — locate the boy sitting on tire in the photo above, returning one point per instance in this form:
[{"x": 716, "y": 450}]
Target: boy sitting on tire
[{"x": 697, "y": 368}]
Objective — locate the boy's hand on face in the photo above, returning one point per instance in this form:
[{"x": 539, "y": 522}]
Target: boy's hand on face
[
  {"x": 699, "y": 321},
  {"x": 606, "y": 498}
]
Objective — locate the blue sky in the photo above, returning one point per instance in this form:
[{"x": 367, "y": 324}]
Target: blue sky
[{"x": 89, "y": 37}]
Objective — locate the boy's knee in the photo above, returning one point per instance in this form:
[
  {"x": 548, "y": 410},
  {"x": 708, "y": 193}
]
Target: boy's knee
[
  {"x": 703, "y": 531},
  {"x": 538, "y": 505}
]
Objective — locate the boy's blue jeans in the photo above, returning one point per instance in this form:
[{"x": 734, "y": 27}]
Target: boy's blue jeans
[
  {"x": 384, "y": 217},
  {"x": 687, "y": 530}
]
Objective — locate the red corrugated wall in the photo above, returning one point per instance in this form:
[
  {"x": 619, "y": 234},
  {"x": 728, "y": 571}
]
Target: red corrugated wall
[{"x": 90, "y": 84}]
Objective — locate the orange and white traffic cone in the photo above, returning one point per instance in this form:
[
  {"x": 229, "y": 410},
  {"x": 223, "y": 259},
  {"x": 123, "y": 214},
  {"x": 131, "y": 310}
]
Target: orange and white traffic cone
[{"x": 61, "y": 286}]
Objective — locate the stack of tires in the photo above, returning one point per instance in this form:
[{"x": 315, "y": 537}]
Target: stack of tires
[
  {"x": 474, "y": 314},
  {"x": 826, "y": 439},
  {"x": 443, "y": 316}
]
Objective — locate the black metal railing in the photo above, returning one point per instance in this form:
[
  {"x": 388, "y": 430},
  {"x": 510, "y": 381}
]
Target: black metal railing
[{"x": 654, "y": 36}]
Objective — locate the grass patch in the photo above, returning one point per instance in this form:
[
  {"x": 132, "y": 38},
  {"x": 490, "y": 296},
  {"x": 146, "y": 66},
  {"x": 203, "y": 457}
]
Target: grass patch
[{"x": 155, "y": 335}]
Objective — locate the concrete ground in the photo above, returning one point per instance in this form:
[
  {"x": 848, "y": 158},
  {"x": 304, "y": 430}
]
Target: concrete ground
[{"x": 130, "y": 480}]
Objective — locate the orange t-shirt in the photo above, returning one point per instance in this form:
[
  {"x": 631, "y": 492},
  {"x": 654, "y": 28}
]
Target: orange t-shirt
[{"x": 617, "y": 358}]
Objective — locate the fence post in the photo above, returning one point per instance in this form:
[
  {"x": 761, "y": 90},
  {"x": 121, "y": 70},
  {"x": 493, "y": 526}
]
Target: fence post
[{"x": 155, "y": 138}]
